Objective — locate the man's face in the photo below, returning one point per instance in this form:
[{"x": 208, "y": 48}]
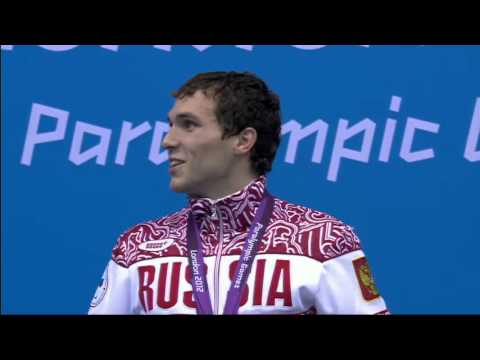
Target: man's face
[{"x": 200, "y": 160}]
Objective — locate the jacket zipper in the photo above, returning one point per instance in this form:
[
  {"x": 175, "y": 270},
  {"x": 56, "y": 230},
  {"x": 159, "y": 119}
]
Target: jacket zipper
[{"x": 216, "y": 286}]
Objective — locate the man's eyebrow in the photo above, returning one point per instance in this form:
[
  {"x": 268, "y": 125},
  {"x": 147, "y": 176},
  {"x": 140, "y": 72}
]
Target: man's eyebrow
[{"x": 184, "y": 116}]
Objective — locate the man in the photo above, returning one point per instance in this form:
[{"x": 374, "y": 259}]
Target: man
[{"x": 235, "y": 249}]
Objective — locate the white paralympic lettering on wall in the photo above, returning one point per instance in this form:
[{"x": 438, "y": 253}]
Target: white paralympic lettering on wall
[
  {"x": 389, "y": 132},
  {"x": 297, "y": 134},
  {"x": 156, "y": 156},
  {"x": 34, "y": 138},
  {"x": 167, "y": 48},
  {"x": 406, "y": 152},
  {"x": 345, "y": 131},
  {"x": 126, "y": 136},
  {"x": 471, "y": 153},
  {"x": 61, "y": 48},
  {"x": 99, "y": 151}
]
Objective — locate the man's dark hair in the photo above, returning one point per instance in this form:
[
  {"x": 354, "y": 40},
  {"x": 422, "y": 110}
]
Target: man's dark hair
[{"x": 242, "y": 100}]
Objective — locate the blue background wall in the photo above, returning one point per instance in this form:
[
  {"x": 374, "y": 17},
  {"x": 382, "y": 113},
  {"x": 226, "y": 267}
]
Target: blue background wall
[{"x": 418, "y": 221}]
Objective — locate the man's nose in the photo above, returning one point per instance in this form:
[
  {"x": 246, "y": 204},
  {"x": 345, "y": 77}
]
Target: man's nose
[{"x": 169, "y": 140}]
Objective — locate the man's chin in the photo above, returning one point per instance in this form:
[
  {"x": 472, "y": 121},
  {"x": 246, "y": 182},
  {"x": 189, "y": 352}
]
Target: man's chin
[
  {"x": 178, "y": 186},
  {"x": 175, "y": 187}
]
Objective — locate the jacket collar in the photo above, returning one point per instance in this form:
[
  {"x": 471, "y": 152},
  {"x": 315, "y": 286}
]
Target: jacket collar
[{"x": 236, "y": 210}]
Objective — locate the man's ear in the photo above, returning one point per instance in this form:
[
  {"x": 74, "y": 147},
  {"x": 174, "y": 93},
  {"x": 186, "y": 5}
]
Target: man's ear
[{"x": 245, "y": 141}]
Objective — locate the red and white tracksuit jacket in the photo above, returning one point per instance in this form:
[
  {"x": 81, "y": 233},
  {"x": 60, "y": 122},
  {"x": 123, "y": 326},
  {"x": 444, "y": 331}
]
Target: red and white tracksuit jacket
[{"x": 308, "y": 262}]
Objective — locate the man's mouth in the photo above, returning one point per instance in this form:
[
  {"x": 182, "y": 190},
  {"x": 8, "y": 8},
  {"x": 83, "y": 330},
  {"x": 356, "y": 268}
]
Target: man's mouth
[{"x": 174, "y": 163}]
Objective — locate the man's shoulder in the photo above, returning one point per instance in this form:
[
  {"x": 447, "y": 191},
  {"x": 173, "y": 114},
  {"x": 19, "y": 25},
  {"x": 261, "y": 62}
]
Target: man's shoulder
[
  {"x": 164, "y": 236},
  {"x": 154, "y": 227},
  {"x": 306, "y": 216},
  {"x": 320, "y": 235}
]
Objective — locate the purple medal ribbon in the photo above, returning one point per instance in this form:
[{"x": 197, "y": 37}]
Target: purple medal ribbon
[{"x": 244, "y": 266}]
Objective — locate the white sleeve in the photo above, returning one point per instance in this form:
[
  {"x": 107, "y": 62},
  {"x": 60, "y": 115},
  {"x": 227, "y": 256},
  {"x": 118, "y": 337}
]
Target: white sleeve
[
  {"x": 346, "y": 287},
  {"x": 113, "y": 293}
]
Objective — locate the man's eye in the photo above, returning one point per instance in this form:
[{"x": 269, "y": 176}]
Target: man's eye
[{"x": 189, "y": 124}]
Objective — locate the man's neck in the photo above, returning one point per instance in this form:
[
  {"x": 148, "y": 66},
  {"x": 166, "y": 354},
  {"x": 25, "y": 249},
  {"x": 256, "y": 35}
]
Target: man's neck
[{"x": 227, "y": 188}]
